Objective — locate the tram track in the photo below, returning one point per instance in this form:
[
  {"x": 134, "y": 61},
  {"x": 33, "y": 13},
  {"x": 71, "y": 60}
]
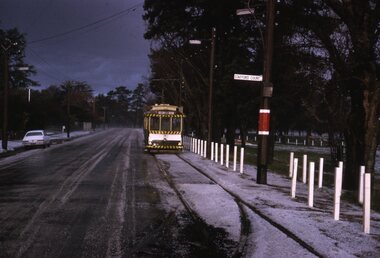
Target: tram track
[
  {"x": 241, "y": 204},
  {"x": 200, "y": 223}
]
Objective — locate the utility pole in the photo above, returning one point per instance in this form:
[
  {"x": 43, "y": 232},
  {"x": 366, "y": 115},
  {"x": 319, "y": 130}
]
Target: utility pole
[
  {"x": 211, "y": 82},
  {"x": 4, "y": 59},
  {"x": 68, "y": 111},
  {"x": 210, "y": 94},
  {"x": 266, "y": 94}
]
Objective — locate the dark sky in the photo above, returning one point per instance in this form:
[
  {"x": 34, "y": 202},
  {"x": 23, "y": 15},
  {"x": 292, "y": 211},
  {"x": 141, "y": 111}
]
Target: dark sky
[{"x": 107, "y": 53}]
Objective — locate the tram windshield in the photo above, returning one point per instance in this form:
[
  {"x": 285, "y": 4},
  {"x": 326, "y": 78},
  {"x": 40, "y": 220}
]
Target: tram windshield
[
  {"x": 165, "y": 123},
  {"x": 176, "y": 124},
  {"x": 154, "y": 123}
]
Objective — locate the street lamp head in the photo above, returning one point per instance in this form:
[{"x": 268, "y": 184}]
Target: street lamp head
[
  {"x": 245, "y": 11},
  {"x": 195, "y": 42}
]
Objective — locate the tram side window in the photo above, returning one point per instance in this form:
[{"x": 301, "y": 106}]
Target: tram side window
[
  {"x": 165, "y": 123},
  {"x": 154, "y": 123},
  {"x": 176, "y": 124}
]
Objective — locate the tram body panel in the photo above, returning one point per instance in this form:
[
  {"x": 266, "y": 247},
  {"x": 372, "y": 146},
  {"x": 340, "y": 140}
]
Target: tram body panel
[{"x": 163, "y": 127}]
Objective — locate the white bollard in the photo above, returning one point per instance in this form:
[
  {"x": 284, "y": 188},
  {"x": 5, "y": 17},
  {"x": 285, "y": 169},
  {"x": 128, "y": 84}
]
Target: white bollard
[
  {"x": 294, "y": 178},
  {"x": 304, "y": 169},
  {"x": 321, "y": 143},
  {"x": 235, "y": 157},
  {"x": 312, "y": 142},
  {"x": 296, "y": 141},
  {"x": 221, "y": 154},
  {"x": 311, "y": 184},
  {"x": 201, "y": 148},
  {"x": 241, "y": 160},
  {"x": 216, "y": 152},
  {"x": 337, "y": 192},
  {"x": 304, "y": 142},
  {"x": 361, "y": 182},
  {"x": 341, "y": 181},
  {"x": 192, "y": 144},
  {"x": 205, "y": 149},
  {"x": 212, "y": 150},
  {"x": 291, "y": 162},
  {"x": 320, "y": 173},
  {"x": 227, "y": 155},
  {"x": 367, "y": 203},
  {"x": 288, "y": 141}
]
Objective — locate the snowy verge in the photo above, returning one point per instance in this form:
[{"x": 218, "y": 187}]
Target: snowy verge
[
  {"x": 315, "y": 226},
  {"x": 209, "y": 201}
]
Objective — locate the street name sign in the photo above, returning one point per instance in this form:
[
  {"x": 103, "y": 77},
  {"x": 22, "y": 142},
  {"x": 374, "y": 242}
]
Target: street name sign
[{"x": 248, "y": 77}]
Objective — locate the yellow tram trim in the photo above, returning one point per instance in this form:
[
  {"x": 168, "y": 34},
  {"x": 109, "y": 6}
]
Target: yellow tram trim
[
  {"x": 165, "y": 115},
  {"x": 164, "y": 132},
  {"x": 164, "y": 147}
]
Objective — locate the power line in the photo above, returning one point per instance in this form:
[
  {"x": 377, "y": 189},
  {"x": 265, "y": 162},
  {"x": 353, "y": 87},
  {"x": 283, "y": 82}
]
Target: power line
[
  {"x": 50, "y": 65},
  {"x": 103, "y": 20}
]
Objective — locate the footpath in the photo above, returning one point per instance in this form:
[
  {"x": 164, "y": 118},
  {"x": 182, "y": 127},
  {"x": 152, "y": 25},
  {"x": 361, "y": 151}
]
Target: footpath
[{"x": 313, "y": 225}]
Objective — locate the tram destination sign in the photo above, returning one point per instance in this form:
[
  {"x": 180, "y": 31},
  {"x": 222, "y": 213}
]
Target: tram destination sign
[{"x": 248, "y": 77}]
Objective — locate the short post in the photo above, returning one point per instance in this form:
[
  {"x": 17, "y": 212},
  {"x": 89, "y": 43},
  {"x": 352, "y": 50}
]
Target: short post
[
  {"x": 341, "y": 176},
  {"x": 216, "y": 152},
  {"x": 205, "y": 149},
  {"x": 367, "y": 203},
  {"x": 304, "y": 169},
  {"x": 235, "y": 157},
  {"x": 296, "y": 141},
  {"x": 212, "y": 150},
  {"x": 320, "y": 173},
  {"x": 199, "y": 147},
  {"x": 337, "y": 192},
  {"x": 201, "y": 153},
  {"x": 291, "y": 163},
  {"x": 221, "y": 154},
  {"x": 294, "y": 178},
  {"x": 312, "y": 142},
  {"x": 304, "y": 142},
  {"x": 227, "y": 155},
  {"x": 311, "y": 184},
  {"x": 361, "y": 182},
  {"x": 241, "y": 160}
]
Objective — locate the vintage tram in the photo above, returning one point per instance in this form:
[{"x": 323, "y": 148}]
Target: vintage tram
[{"x": 163, "y": 128}]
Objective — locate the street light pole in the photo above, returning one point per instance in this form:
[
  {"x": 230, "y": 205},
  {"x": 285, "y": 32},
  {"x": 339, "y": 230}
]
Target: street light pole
[
  {"x": 210, "y": 94},
  {"x": 4, "y": 137},
  {"x": 266, "y": 93}
]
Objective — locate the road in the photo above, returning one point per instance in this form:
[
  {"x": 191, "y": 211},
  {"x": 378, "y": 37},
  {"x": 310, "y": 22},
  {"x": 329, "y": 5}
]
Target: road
[{"x": 97, "y": 196}]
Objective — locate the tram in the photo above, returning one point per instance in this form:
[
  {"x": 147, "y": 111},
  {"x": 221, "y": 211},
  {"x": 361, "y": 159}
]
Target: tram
[{"x": 163, "y": 128}]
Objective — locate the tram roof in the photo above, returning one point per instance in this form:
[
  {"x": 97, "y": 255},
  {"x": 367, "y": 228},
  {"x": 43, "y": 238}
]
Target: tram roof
[{"x": 165, "y": 110}]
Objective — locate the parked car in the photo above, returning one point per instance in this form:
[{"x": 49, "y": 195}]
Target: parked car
[{"x": 36, "y": 138}]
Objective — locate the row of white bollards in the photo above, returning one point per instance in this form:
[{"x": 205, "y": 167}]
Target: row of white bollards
[
  {"x": 304, "y": 169},
  {"x": 364, "y": 196},
  {"x": 200, "y": 147}
]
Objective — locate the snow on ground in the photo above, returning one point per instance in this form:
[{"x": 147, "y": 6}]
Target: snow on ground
[
  {"x": 207, "y": 199},
  {"x": 316, "y": 226},
  {"x": 15, "y": 144}
]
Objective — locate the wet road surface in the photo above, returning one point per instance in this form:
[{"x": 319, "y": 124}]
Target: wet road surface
[{"x": 98, "y": 196}]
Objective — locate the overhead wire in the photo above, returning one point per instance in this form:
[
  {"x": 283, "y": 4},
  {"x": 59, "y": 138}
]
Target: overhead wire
[{"x": 104, "y": 20}]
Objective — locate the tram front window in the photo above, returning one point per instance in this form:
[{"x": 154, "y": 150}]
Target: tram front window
[
  {"x": 154, "y": 123},
  {"x": 176, "y": 124},
  {"x": 165, "y": 124}
]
